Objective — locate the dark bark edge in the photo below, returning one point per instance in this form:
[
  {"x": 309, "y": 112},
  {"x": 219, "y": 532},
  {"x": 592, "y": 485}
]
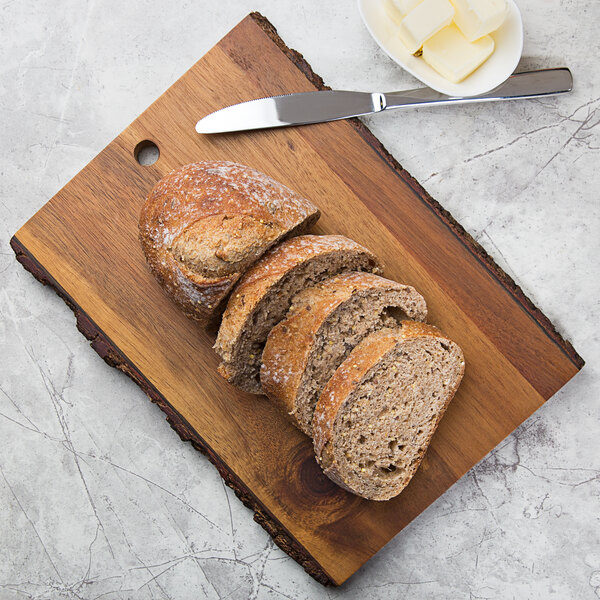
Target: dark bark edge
[{"x": 115, "y": 358}]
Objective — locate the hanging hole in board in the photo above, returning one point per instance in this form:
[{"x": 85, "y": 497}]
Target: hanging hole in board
[{"x": 146, "y": 153}]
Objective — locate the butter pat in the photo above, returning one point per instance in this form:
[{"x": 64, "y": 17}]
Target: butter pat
[
  {"x": 405, "y": 6},
  {"x": 476, "y": 18},
  {"x": 423, "y": 21},
  {"x": 398, "y": 9},
  {"x": 453, "y": 56}
]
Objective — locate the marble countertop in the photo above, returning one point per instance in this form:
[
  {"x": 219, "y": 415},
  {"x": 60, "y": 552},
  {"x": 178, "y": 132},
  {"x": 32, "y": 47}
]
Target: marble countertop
[{"x": 98, "y": 496}]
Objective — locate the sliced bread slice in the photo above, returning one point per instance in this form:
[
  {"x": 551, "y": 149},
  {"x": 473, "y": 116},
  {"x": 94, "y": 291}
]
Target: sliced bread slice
[
  {"x": 264, "y": 294},
  {"x": 379, "y": 411},
  {"x": 323, "y": 324}
]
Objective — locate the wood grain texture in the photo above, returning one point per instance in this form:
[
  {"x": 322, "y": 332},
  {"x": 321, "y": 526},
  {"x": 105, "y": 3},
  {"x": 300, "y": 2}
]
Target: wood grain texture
[
  {"x": 84, "y": 243},
  {"x": 113, "y": 357}
]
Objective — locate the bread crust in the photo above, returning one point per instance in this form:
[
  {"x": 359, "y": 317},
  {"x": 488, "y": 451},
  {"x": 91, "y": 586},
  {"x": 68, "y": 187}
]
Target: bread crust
[
  {"x": 289, "y": 343},
  {"x": 258, "y": 281},
  {"x": 349, "y": 375},
  {"x": 205, "y": 223}
]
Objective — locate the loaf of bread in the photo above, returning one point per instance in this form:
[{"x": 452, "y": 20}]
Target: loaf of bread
[
  {"x": 205, "y": 223},
  {"x": 341, "y": 350},
  {"x": 264, "y": 294},
  {"x": 378, "y": 412},
  {"x": 324, "y": 323}
]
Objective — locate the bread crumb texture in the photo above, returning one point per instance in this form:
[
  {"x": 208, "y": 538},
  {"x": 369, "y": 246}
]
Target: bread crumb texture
[
  {"x": 322, "y": 327},
  {"x": 377, "y": 414},
  {"x": 264, "y": 294}
]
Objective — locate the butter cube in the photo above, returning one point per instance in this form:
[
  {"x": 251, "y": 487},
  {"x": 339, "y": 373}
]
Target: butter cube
[
  {"x": 476, "y": 18},
  {"x": 423, "y": 21},
  {"x": 453, "y": 56},
  {"x": 398, "y": 9}
]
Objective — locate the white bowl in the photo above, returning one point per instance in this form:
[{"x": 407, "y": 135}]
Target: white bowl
[{"x": 497, "y": 68}]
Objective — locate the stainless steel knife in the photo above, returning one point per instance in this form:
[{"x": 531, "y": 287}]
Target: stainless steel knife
[{"x": 317, "y": 107}]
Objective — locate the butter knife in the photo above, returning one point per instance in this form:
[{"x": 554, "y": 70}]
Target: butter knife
[{"x": 317, "y": 107}]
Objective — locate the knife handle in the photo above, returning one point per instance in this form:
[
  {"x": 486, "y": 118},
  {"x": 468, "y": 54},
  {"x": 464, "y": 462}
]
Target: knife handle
[{"x": 533, "y": 84}]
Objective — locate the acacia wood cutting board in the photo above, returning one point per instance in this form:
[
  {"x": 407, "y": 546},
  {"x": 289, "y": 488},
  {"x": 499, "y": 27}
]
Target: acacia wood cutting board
[{"x": 84, "y": 243}]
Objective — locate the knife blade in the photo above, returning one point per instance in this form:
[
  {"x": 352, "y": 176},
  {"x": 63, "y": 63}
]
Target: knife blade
[{"x": 316, "y": 107}]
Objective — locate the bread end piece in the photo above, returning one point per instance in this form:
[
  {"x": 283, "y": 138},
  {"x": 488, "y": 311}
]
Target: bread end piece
[{"x": 205, "y": 223}]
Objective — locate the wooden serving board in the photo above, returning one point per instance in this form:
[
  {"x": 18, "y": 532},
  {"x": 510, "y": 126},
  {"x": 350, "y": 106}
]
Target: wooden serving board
[{"x": 84, "y": 243}]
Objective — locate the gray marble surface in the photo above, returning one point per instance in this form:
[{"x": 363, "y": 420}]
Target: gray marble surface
[{"x": 98, "y": 496}]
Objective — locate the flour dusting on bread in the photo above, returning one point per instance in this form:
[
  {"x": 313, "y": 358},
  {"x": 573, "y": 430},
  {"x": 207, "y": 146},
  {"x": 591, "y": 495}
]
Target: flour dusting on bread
[{"x": 213, "y": 220}]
